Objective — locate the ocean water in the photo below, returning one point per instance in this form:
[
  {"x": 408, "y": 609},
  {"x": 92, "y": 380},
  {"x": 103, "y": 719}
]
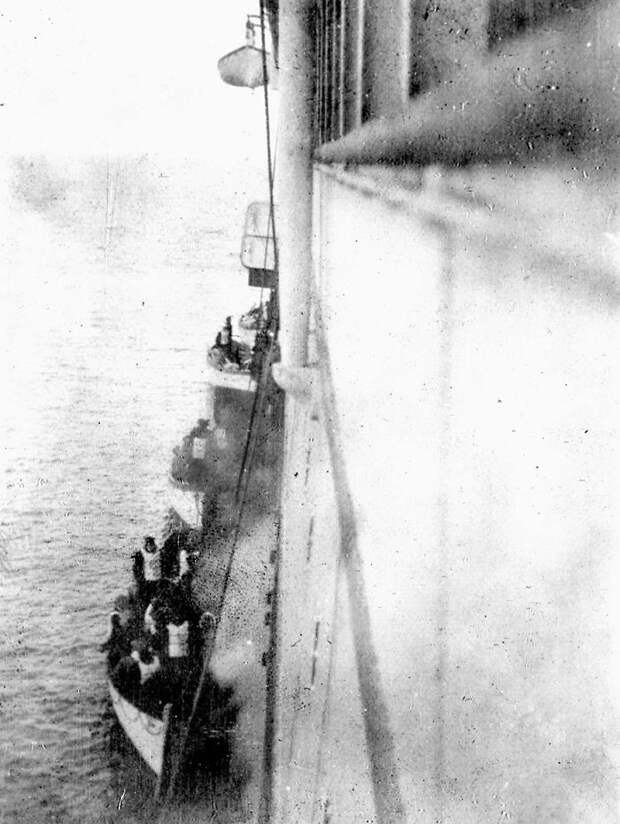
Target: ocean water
[{"x": 103, "y": 336}]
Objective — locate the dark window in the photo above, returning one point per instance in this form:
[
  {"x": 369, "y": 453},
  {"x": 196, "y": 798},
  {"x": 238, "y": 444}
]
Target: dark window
[
  {"x": 329, "y": 85},
  {"x": 372, "y": 56}
]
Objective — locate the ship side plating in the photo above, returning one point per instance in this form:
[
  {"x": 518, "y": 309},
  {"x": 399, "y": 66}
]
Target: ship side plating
[{"x": 448, "y": 245}]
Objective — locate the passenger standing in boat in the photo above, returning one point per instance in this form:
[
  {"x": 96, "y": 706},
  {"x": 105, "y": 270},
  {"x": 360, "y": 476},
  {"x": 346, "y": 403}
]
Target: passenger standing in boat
[
  {"x": 177, "y": 562},
  {"x": 170, "y": 553},
  {"x": 229, "y": 354},
  {"x": 185, "y": 574},
  {"x": 158, "y": 613},
  {"x": 117, "y": 643},
  {"x": 224, "y": 340},
  {"x": 202, "y": 447},
  {"x": 177, "y": 663},
  {"x": 147, "y": 571}
]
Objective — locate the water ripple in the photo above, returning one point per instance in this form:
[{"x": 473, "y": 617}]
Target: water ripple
[{"x": 105, "y": 375}]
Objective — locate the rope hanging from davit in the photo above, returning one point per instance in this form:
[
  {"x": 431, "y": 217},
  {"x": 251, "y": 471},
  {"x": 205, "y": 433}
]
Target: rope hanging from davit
[{"x": 248, "y": 456}]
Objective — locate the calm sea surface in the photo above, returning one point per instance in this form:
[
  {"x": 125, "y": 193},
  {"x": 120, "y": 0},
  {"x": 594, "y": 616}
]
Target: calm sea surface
[{"x": 102, "y": 373}]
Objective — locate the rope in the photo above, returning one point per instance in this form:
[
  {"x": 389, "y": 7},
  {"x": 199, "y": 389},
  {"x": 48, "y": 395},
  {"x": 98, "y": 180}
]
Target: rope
[
  {"x": 248, "y": 445},
  {"x": 244, "y": 483},
  {"x": 273, "y": 320},
  {"x": 152, "y": 725},
  {"x": 257, "y": 406},
  {"x": 244, "y": 475},
  {"x": 270, "y": 168},
  {"x": 264, "y": 813}
]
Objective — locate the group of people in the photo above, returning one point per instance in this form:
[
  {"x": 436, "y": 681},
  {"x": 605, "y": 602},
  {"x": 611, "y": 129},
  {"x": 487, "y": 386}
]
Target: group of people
[
  {"x": 188, "y": 461},
  {"x": 229, "y": 354},
  {"x": 153, "y": 639}
]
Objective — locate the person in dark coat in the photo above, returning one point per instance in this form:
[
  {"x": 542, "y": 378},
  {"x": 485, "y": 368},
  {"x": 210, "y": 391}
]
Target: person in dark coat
[
  {"x": 126, "y": 678},
  {"x": 117, "y": 644},
  {"x": 229, "y": 354},
  {"x": 224, "y": 341},
  {"x": 170, "y": 555},
  {"x": 158, "y": 613}
]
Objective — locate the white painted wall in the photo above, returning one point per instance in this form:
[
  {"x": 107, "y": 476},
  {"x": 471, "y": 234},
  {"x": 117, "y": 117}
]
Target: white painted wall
[{"x": 473, "y": 339}]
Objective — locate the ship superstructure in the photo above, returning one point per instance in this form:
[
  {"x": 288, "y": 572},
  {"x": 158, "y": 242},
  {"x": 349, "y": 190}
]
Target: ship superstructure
[{"x": 446, "y": 194}]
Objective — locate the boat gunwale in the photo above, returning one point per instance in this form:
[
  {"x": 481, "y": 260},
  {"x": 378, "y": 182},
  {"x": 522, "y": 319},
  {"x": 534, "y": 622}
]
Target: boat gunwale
[{"x": 119, "y": 702}]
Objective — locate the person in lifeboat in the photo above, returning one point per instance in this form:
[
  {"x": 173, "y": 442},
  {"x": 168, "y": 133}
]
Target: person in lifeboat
[{"x": 229, "y": 354}]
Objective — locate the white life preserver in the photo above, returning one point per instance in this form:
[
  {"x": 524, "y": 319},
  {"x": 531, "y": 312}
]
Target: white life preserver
[
  {"x": 221, "y": 439},
  {"x": 152, "y": 565},
  {"x": 178, "y": 640},
  {"x": 199, "y": 449},
  {"x": 149, "y": 621}
]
